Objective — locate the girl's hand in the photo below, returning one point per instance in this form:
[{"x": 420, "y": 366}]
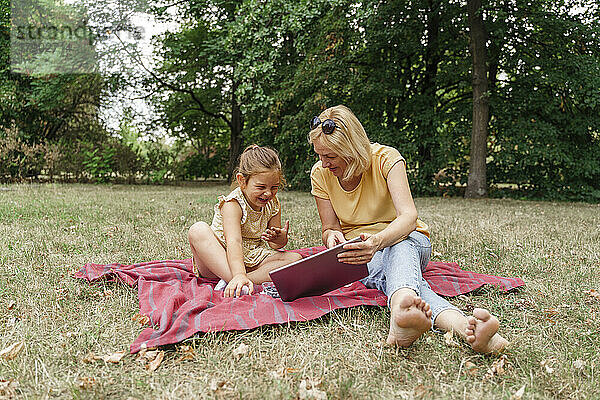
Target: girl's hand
[
  {"x": 360, "y": 252},
  {"x": 235, "y": 285},
  {"x": 277, "y": 236},
  {"x": 334, "y": 238}
]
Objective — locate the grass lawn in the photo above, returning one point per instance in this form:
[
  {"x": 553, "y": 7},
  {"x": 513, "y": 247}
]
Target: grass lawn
[{"x": 49, "y": 231}]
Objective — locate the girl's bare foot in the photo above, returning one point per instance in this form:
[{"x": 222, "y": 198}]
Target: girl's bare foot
[
  {"x": 481, "y": 332},
  {"x": 411, "y": 317}
]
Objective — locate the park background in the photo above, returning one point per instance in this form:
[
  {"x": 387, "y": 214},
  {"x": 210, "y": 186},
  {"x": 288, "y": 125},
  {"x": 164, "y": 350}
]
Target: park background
[
  {"x": 225, "y": 74},
  {"x": 96, "y": 167}
]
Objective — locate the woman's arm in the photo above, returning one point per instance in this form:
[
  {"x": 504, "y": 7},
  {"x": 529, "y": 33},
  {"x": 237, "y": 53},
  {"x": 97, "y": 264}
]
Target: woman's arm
[
  {"x": 232, "y": 229},
  {"x": 398, "y": 230},
  {"x": 406, "y": 212},
  {"x": 331, "y": 230}
]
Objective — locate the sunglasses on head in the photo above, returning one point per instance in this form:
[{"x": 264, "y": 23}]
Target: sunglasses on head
[{"x": 327, "y": 126}]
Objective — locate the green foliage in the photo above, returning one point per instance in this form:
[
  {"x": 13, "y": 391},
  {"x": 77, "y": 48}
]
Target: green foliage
[
  {"x": 248, "y": 71},
  {"x": 544, "y": 131},
  {"x": 404, "y": 69},
  {"x": 18, "y": 159},
  {"x": 98, "y": 164}
]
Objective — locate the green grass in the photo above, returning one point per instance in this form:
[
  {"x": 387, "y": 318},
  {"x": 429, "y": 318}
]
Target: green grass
[{"x": 49, "y": 231}]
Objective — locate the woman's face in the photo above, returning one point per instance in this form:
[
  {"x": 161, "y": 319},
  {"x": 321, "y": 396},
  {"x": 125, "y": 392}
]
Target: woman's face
[{"x": 329, "y": 159}]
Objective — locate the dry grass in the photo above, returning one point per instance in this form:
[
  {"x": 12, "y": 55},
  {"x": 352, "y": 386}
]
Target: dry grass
[{"x": 48, "y": 231}]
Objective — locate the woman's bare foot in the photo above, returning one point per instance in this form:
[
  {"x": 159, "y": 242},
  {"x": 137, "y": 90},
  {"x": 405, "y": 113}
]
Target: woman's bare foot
[
  {"x": 481, "y": 332},
  {"x": 411, "y": 317}
]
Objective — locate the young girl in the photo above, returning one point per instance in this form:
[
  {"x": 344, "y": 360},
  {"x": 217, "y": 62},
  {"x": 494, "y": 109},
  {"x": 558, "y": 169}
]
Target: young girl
[{"x": 239, "y": 246}]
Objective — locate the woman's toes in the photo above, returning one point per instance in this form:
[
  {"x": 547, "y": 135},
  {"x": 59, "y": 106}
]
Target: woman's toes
[{"x": 482, "y": 314}]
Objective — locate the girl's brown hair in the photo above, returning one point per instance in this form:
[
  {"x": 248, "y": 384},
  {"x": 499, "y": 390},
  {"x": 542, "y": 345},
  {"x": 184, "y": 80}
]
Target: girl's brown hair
[{"x": 256, "y": 159}]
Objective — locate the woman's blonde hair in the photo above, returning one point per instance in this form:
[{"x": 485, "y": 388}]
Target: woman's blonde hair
[
  {"x": 256, "y": 159},
  {"x": 349, "y": 140}
]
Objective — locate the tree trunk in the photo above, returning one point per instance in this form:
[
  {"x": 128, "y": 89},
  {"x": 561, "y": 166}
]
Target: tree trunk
[
  {"x": 477, "y": 185},
  {"x": 427, "y": 167},
  {"x": 235, "y": 142}
]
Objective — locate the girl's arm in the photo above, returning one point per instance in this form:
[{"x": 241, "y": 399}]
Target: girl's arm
[
  {"x": 232, "y": 223},
  {"x": 330, "y": 224},
  {"x": 275, "y": 235},
  {"x": 398, "y": 230}
]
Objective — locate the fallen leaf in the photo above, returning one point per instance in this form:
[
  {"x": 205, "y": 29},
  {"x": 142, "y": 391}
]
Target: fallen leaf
[
  {"x": 471, "y": 368},
  {"x": 90, "y": 358},
  {"x": 115, "y": 357},
  {"x": 141, "y": 319},
  {"x": 154, "y": 364},
  {"x": 61, "y": 293},
  {"x": 518, "y": 395},
  {"x": 593, "y": 293},
  {"x": 545, "y": 364},
  {"x": 187, "y": 353},
  {"x": 110, "y": 232},
  {"x": 524, "y": 304},
  {"x": 8, "y": 388},
  {"x": 578, "y": 364},
  {"x": 241, "y": 350},
  {"x": 11, "y": 305},
  {"x": 12, "y": 351},
  {"x": 143, "y": 350},
  {"x": 551, "y": 313},
  {"x": 150, "y": 354},
  {"x": 498, "y": 367},
  {"x": 102, "y": 294},
  {"x": 449, "y": 339},
  {"x": 308, "y": 389},
  {"x": 421, "y": 391},
  {"x": 277, "y": 374},
  {"x": 216, "y": 384},
  {"x": 86, "y": 382}
]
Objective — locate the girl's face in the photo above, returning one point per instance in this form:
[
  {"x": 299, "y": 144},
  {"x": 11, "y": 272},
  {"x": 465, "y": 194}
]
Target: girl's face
[
  {"x": 329, "y": 159},
  {"x": 260, "y": 188}
]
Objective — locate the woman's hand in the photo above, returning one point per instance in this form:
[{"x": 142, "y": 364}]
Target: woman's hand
[
  {"x": 360, "y": 252},
  {"x": 235, "y": 285},
  {"x": 334, "y": 238},
  {"x": 277, "y": 236}
]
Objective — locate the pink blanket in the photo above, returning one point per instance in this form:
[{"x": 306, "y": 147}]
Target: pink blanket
[{"x": 180, "y": 304}]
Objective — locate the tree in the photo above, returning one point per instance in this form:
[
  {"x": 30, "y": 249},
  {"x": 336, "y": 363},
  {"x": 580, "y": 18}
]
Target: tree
[
  {"x": 197, "y": 62},
  {"x": 545, "y": 102},
  {"x": 477, "y": 184}
]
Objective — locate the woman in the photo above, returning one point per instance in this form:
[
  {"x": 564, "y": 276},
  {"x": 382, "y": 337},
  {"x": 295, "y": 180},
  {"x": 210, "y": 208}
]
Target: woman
[{"x": 361, "y": 189}]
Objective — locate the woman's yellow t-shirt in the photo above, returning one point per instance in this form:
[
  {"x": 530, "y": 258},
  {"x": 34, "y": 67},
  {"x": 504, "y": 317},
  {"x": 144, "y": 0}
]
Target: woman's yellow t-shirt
[{"x": 368, "y": 207}]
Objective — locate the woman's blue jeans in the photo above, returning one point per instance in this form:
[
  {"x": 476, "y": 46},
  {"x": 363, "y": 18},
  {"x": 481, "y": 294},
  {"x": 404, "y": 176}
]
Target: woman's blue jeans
[{"x": 401, "y": 266}]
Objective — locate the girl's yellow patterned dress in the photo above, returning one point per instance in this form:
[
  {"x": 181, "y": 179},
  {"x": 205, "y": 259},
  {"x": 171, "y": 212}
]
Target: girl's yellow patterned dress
[{"x": 254, "y": 223}]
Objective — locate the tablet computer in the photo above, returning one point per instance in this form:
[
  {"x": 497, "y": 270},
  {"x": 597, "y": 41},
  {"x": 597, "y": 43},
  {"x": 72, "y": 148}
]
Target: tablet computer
[{"x": 316, "y": 274}]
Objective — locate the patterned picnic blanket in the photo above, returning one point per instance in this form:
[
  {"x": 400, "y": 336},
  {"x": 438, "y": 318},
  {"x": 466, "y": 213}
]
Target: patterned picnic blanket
[{"x": 180, "y": 304}]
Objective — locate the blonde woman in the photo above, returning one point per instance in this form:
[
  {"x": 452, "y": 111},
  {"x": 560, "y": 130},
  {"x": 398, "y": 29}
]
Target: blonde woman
[{"x": 361, "y": 189}]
